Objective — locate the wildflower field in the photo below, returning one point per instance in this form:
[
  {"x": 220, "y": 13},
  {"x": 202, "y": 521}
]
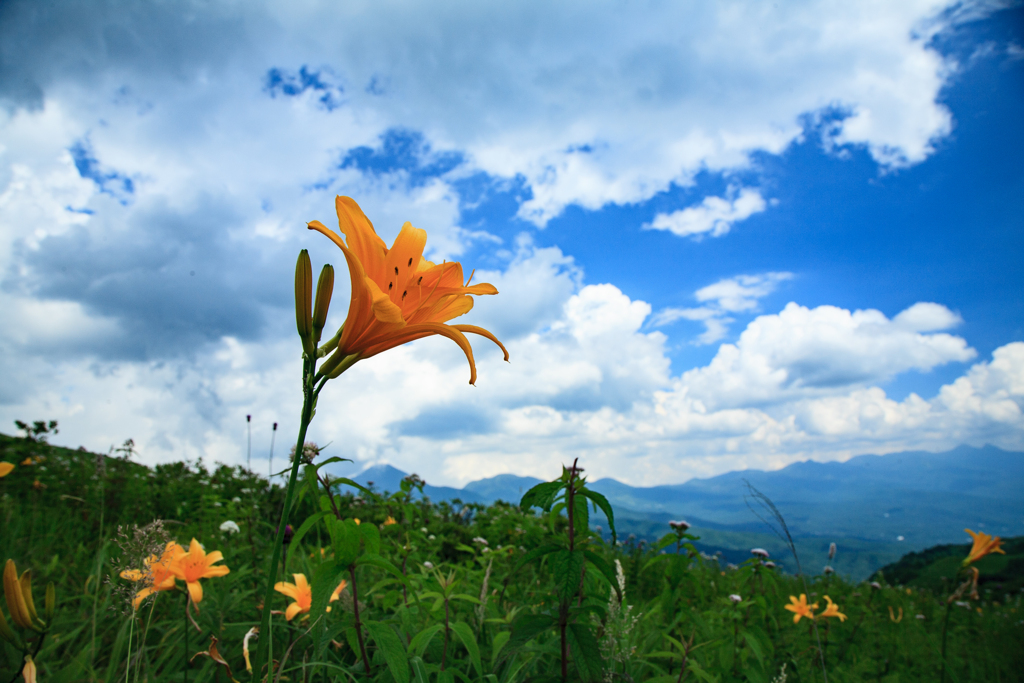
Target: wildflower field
[
  {"x": 118, "y": 572},
  {"x": 479, "y": 592}
]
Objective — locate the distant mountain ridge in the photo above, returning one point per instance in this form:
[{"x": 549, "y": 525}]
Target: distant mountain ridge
[{"x": 915, "y": 497}]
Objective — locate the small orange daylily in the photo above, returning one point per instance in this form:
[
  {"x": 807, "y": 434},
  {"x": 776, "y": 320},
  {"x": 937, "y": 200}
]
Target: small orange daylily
[
  {"x": 800, "y": 608},
  {"x": 6, "y": 468},
  {"x": 832, "y": 610},
  {"x": 389, "y": 521},
  {"x": 302, "y": 593},
  {"x": 983, "y": 545},
  {"x": 159, "y": 574},
  {"x": 397, "y": 295},
  {"x": 197, "y": 564}
]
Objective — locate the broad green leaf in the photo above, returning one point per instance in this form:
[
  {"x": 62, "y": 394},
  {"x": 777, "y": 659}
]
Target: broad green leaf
[
  {"x": 602, "y": 503},
  {"x": 345, "y": 537},
  {"x": 382, "y": 563},
  {"x": 499, "y": 642},
  {"x": 303, "y": 530},
  {"x": 326, "y": 578},
  {"x": 534, "y": 554},
  {"x": 586, "y": 652},
  {"x": 420, "y": 641},
  {"x": 754, "y": 645},
  {"x": 466, "y": 598},
  {"x": 525, "y": 627},
  {"x": 692, "y": 665},
  {"x": 371, "y": 538},
  {"x": 666, "y": 540},
  {"x": 541, "y": 495},
  {"x": 349, "y": 482},
  {"x": 419, "y": 671},
  {"x": 606, "y": 569},
  {"x": 391, "y": 645},
  {"x": 329, "y": 461},
  {"x": 580, "y": 514},
  {"x": 466, "y": 635},
  {"x": 567, "y": 571}
]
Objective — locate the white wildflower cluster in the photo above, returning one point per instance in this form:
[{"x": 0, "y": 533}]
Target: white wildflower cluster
[
  {"x": 781, "y": 678},
  {"x": 616, "y": 644}
]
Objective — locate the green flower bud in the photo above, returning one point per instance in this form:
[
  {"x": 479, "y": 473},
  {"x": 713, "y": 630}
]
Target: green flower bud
[
  {"x": 304, "y": 301},
  {"x": 324, "y": 290}
]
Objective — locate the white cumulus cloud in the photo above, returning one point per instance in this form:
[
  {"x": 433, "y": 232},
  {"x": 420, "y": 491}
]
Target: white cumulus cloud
[{"x": 714, "y": 216}]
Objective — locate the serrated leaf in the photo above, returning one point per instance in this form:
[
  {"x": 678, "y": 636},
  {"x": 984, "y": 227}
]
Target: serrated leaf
[
  {"x": 468, "y": 638},
  {"x": 580, "y": 514},
  {"x": 602, "y": 503},
  {"x": 536, "y": 553},
  {"x": 391, "y": 645},
  {"x": 371, "y": 538},
  {"x": 527, "y": 626},
  {"x": 586, "y": 652},
  {"x": 541, "y": 495},
  {"x": 606, "y": 569},
  {"x": 567, "y": 571},
  {"x": 345, "y": 537}
]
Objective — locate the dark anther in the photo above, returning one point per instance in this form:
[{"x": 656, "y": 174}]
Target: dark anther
[
  {"x": 410, "y": 260},
  {"x": 404, "y": 293},
  {"x": 390, "y": 285},
  {"x": 420, "y": 281},
  {"x": 396, "y": 270}
]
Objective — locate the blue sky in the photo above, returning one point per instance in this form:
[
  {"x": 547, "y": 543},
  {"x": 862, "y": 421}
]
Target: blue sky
[{"x": 725, "y": 236}]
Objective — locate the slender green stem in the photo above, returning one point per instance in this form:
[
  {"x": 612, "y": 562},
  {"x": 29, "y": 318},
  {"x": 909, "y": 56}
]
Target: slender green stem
[
  {"x": 266, "y": 651},
  {"x": 945, "y": 632},
  {"x": 128, "y": 664}
]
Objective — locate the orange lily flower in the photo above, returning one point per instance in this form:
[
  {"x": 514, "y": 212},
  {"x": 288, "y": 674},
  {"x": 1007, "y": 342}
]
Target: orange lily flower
[
  {"x": 6, "y": 468},
  {"x": 397, "y": 295},
  {"x": 195, "y": 565},
  {"x": 389, "y": 521},
  {"x": 159, "y": 575},
  {"x": 800, "y": 608},
  {"x": 832, "y": 610},
  {"x": 302, "y": 593},
  {"x": 983, "y": 545}
]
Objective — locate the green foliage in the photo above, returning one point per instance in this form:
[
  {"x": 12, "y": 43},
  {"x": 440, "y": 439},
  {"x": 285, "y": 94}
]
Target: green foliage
[{"x": 450, "y": 592}]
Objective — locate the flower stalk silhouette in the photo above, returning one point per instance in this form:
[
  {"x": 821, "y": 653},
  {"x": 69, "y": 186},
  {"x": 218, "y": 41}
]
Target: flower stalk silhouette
[{"x": 397, "y": 297}]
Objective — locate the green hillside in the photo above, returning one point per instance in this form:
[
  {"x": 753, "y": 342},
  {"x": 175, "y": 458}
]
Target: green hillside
[{"x": 934, "y": 568}]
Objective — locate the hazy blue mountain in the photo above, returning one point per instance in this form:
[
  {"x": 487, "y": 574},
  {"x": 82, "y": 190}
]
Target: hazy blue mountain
[
  {"x": 507, "y": 487},
  {"x": 927, "y": 498},
  {"x": 869, "y": 501},
  {"x": 385, "y": 478}
]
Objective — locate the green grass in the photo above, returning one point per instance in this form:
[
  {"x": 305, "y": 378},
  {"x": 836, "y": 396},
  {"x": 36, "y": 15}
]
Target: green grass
[{"x": 60, "y": 518}]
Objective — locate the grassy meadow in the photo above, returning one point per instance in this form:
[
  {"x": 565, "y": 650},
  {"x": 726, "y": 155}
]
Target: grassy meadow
[{"x": 520, "y": 591}]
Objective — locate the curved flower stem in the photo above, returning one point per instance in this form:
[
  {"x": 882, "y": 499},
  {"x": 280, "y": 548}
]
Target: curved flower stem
[{"x": 266, "y": 646}]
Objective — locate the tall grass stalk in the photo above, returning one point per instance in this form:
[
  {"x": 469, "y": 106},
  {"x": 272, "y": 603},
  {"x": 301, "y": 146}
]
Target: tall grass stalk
[{"x": 766, "y": 504}]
